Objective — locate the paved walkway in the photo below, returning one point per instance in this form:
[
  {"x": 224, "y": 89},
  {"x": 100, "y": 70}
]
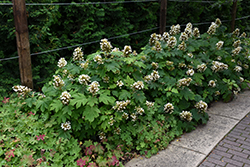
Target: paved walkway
[
  {"x": 234, "y": 149},
  {"x": 223, "y": 141}
]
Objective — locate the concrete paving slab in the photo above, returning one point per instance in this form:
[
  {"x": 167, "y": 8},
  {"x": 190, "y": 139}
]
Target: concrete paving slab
[
  {"x": 205, "y": 137},
  {"x": 170, "y": 157},
  {"x": 236, "y": 109}
]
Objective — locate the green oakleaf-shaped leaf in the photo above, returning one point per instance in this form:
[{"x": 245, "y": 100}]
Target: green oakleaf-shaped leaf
[
  {"x": 113, "y": 66},
  {"x": 56, "y": 105},
  {"x": 44, "y": 103},
  {"x": 90, "y": 113},
  {"x": 30, "y": 101},
  {"x": 79, "y": 100},
  {"x": 139, "y": 96},
  {"x": 92, "y": 101},
  {"x": 124, "y": 95},
  {"x": 105, "y": 98},
  {"x": 67, "y": 109}
]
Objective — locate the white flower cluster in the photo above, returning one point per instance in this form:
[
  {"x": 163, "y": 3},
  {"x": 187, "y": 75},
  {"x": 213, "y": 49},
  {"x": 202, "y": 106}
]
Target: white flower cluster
[
  {"x": 186, "y": 115},
  {"x": 214, "y": 26},
  {"x": 105, "y": 45},
  {"x": 196, "y": 32},
  {"x": 190, "y": 72},
  {"x": 66, "y": 126},
  {"x": 78, "y": 54},
  {"x": 245, "y": 66},
  {"x": 84, "y": 65},
  {"x": 119, "y": 83},
  {"x": 168, "y": 108},
  {"x": 217, "y": 93},
  {"x": 111, "y": 121},
  {"x": 139, "y": 110},
  {"x": 236, "y": 32},
  {"x": 154, "y": 38},
  {"x": 201, "y": 105},
  {"x": 237, "y": 43},
  {"x": 174, "y": 30},
  {"x": 188, "y": 30},
  {"x": 62, "y": 62},
  {"x": 117, "y": 130},
  {"x": 150, "y": 104},
  {"x": 243, "y": 35},
  {"x": 65, "y": 97},
  {"x": 58, "y": 82},
  {"x": 102, "y": 135},
  {"x": 218, "y": 66},
  {"x": 238, "y": 68},
  {"x": 212, "y": 83},
  {"x": 169, "y": 63},
  {"x": 184, "y": 82},
  {"x": 133, "y": 116},
  {"x": 153, "y": 76},
  {"x": 183, "y": 37},
  {"x": 84, "y": 79},
  {"x": 21, "y": 90},
  {"x": 165, "y": 36},
  {"x": 190, "y": 55},
  {"x": 236, "y": 90},
  {"x": 121, "y": 105},
  {"x": 105, "y": 79},
  {"x": 127, "y": 51},
  {"x": 70, "y": 77},
  {"x": 242, "y": 79},
  {"x": 157, "y": 46},
  {"x": 236, "y": 51},
  {"x": 125, "y": 115},
  {"x": 202, "y": 67},
  {"x": 182, "y": 65},
  {"x": 154, "y": 65},
  {"x": 218, "y": 22},
  {"x": 116, "y": 49},
  {"x": 182, "y": 46},
  {"x": 219, "y": 45},
  {"x": 172, "y": 42},
  {"x": 138, "y": 85},
  {"x": 94, "y": 87},
  {"x": 98, "y": 59}
]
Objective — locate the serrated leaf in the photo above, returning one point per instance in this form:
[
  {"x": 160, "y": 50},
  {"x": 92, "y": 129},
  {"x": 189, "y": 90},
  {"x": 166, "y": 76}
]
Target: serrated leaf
[
  {"x": 79, "y": 100},
  {"x": 92, "y": 101},
  {"x": 67, "y": 109},
  {"x": 43, "y": 104},
  {"x": 124, "y": 95},
  {"x": 30, "y": 101},
  {"x": 56, "y": 105},
  {"x": 113, "y": 66},
  {"x": 139, "y": 96},
  {"x": 90, "y": 113},
  {"x": 106, "y": 99}
]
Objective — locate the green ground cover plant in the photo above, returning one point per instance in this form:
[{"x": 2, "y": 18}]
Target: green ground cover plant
[{"x": 105, "y": 108}]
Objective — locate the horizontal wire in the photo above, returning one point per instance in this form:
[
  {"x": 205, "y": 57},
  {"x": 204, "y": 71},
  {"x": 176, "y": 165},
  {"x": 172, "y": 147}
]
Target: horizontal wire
[
  {"x": 68, "y": 47},
  {"x": 86, "y": 43},
  {"x": 81, "y": 3},
  {"x": 94, "y": 3}
]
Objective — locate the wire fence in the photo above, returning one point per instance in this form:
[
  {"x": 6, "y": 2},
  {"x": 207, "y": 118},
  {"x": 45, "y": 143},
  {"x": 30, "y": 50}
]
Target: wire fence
[
  {"x": 120, "y": 36},
  {"x": 95, "y": 3},
  {"x": 115, "y": 37}
]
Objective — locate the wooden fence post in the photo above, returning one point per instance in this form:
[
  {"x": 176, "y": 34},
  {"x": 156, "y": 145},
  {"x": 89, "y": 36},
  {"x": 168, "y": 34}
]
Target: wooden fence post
[
  {"x": 234, "y": 9},
  {"x": 163, "y": 13},
  {"x": 22, "y": 40}
]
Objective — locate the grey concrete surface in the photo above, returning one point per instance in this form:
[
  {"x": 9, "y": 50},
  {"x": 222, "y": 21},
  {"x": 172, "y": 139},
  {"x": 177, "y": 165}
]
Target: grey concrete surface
[{"x": 192, "y": 148}]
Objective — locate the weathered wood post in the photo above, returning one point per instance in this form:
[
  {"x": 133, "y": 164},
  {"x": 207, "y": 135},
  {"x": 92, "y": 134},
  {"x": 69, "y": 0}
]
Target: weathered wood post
[
  {"x": 234, "y": 9},
  {"x": 163, "y": 13},
  {"x": 22, "y": 40}
]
